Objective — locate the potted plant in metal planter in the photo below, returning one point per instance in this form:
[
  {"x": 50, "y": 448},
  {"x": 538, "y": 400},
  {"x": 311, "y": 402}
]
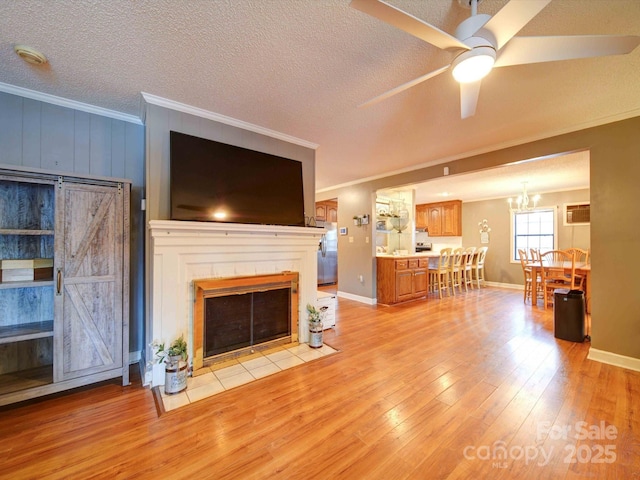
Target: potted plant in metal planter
[
  {"x": 315, "y": 318},
  {"x": 176, "y": 367}
]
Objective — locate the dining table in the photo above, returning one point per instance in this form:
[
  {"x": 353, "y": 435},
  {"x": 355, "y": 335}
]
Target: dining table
[{"x": 581, "y": 268}]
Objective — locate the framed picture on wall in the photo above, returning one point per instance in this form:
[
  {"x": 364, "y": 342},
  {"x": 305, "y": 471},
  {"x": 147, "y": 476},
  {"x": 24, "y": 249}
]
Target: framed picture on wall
[{"x": 343, "y": 230}]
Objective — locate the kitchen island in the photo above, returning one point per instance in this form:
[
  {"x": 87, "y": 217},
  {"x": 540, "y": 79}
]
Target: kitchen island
[{"x": 401, "y": 278}]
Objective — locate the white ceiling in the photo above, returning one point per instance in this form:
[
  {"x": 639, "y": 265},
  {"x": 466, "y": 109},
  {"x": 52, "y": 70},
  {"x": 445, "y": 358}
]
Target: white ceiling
[{"x": 301, "y": 67}]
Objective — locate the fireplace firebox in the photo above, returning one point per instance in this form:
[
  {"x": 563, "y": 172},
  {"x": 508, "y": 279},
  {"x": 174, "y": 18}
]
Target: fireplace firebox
[{"x": 237, "y": 315}]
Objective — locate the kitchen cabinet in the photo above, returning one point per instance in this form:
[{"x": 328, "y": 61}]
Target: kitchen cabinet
[
  {"x": 443, "y": 219},
  {"x": 422, "y": 216},
  {"x": 435, "y": 220},
  {"x": 401, "y": 279},
  {"x": 327, "y": 211},
  {"x": 71, "y": 327},
  {"x": 451, "y": 219}
]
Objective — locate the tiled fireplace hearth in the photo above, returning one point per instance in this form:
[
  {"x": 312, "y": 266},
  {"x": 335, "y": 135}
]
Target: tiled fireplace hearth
[{"x": 183, "y": 252}]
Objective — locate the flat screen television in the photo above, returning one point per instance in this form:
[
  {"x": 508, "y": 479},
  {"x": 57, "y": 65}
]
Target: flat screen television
[{"x": 215, "y": 182}]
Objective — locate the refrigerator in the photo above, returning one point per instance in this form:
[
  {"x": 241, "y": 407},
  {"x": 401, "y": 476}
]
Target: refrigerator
[{"x": 328, "y": 255}]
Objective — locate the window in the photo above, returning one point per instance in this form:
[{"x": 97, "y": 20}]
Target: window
[{"x": 533, "y": 229}]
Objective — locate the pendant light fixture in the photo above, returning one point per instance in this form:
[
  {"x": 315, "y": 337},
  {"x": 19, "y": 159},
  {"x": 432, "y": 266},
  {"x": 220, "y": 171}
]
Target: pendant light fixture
[{"x": 523, "y": 202}]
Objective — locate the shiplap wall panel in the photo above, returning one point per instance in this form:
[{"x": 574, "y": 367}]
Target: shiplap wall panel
[
  {"x": 31, "y": 132},
  {"x": 10, "y": 129},
  {"x": 117, "y": 149},
  {"x": 100, "y": 157},
  {"x": 57, "y": 138},
  {"x": 42, "y": 135},
  {"x": 82, "y": 147}
]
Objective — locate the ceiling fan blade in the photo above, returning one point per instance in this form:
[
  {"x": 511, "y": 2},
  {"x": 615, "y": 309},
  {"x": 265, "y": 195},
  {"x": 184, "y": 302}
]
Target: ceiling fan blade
[
  {"x": 403, "y": 87},
  {"x": 511, "y": 18},
  {"x": 469, "y": 93},
  {"x": 410, "y": 24},
  {"x": 521, "y": 50}
]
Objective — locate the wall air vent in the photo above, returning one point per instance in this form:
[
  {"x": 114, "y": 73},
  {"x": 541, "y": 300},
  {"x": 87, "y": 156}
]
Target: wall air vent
[{"x": 577, "y": 214}]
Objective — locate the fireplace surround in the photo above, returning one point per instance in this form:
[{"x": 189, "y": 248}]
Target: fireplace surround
[
  {"x": 182, "y": 253},
  {"x": 237, "y": 315}
]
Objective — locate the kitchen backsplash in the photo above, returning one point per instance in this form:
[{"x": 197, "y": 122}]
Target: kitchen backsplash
[{"x": 439, "y": 242}]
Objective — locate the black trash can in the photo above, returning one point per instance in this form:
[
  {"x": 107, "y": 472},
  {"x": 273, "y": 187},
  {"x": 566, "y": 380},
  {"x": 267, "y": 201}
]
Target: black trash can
[{"x": 569, "y": 314}]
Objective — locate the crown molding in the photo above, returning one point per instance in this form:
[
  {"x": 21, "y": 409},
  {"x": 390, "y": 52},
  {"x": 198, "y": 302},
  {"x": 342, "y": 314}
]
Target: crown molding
[
  {"x": 217, "y": 117},
  {"x": 65, "y": 102}
]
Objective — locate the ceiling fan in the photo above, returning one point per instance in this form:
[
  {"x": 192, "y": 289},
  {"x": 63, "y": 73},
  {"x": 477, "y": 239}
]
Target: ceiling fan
[{"x": 482, "y": 42}]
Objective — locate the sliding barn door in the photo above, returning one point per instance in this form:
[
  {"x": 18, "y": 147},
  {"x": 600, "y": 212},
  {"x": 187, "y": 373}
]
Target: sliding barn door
[{"x": 88, "y": 279}]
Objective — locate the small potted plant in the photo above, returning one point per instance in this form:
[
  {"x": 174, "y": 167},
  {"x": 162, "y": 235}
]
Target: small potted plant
[
  {"x": 177, "y": 351},
  {"x": 175, "y": 360},
  {"x": 315, "y": 325}
]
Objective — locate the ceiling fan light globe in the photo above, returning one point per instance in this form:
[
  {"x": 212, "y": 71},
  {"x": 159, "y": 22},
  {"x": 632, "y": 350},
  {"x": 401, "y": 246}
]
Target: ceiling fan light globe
[{"x": 473, "y": 65}]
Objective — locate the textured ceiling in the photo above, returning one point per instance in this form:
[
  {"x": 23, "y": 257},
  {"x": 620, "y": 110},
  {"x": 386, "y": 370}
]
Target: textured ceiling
[{"x": 301, "y": 67}]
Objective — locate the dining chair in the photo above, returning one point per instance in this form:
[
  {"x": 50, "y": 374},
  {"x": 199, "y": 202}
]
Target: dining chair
[
  {"x": 534, "y": 254},
  {"x": 439, "y": 277},
  {"x": 478, "y": 265},
  {"x": 528, "y": 277},
  {"x": 558, "y": 270},
  {"x": 526, "y": 271},
  {"x": 580, "y": 254},
  {"x": 467, "y": 270},
  {"x": 455, "y": 270}
]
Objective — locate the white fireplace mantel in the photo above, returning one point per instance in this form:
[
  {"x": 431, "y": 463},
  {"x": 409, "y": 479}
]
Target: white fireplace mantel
[{"x": 182, "y": 252}]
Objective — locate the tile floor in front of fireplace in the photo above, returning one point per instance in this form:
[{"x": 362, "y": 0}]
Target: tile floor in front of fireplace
[{"x": 242, "y": 370}]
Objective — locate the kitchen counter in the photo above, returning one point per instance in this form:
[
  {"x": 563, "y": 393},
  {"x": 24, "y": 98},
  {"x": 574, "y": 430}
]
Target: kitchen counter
[
  {"x": 401, "y": 278},
  {"x": 431, "y": 254}
]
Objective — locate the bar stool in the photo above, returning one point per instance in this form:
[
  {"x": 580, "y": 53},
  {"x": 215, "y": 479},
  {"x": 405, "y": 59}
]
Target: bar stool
[
  {"x": 478, "y": 265},
  {"x": 467, "y": 272},
  {"x": 455, "y": 270},
  {"x": 439, "y": 277}
]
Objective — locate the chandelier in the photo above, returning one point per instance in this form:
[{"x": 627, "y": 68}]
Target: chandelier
[{"x": 522, "y": 202}]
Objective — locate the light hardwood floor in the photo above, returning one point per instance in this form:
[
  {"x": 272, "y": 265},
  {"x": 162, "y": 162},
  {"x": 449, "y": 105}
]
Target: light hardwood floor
[{"x": 424, "y": 390}]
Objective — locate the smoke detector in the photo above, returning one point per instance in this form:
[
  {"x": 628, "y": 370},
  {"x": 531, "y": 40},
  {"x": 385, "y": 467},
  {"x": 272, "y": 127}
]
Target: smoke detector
[{"x": 30, "y": 55}]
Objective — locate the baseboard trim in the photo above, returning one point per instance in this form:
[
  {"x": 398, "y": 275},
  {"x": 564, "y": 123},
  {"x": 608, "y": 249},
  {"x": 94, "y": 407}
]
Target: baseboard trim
[
  {"x": 373, "y": 301},
  {"x": 144, "y": 374},
  {"x": 134, "y": 357},
  {"x": 614, "y": 359},
  {"x": 512, "y": 286},
  {"x": 357, "y": 298}
]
